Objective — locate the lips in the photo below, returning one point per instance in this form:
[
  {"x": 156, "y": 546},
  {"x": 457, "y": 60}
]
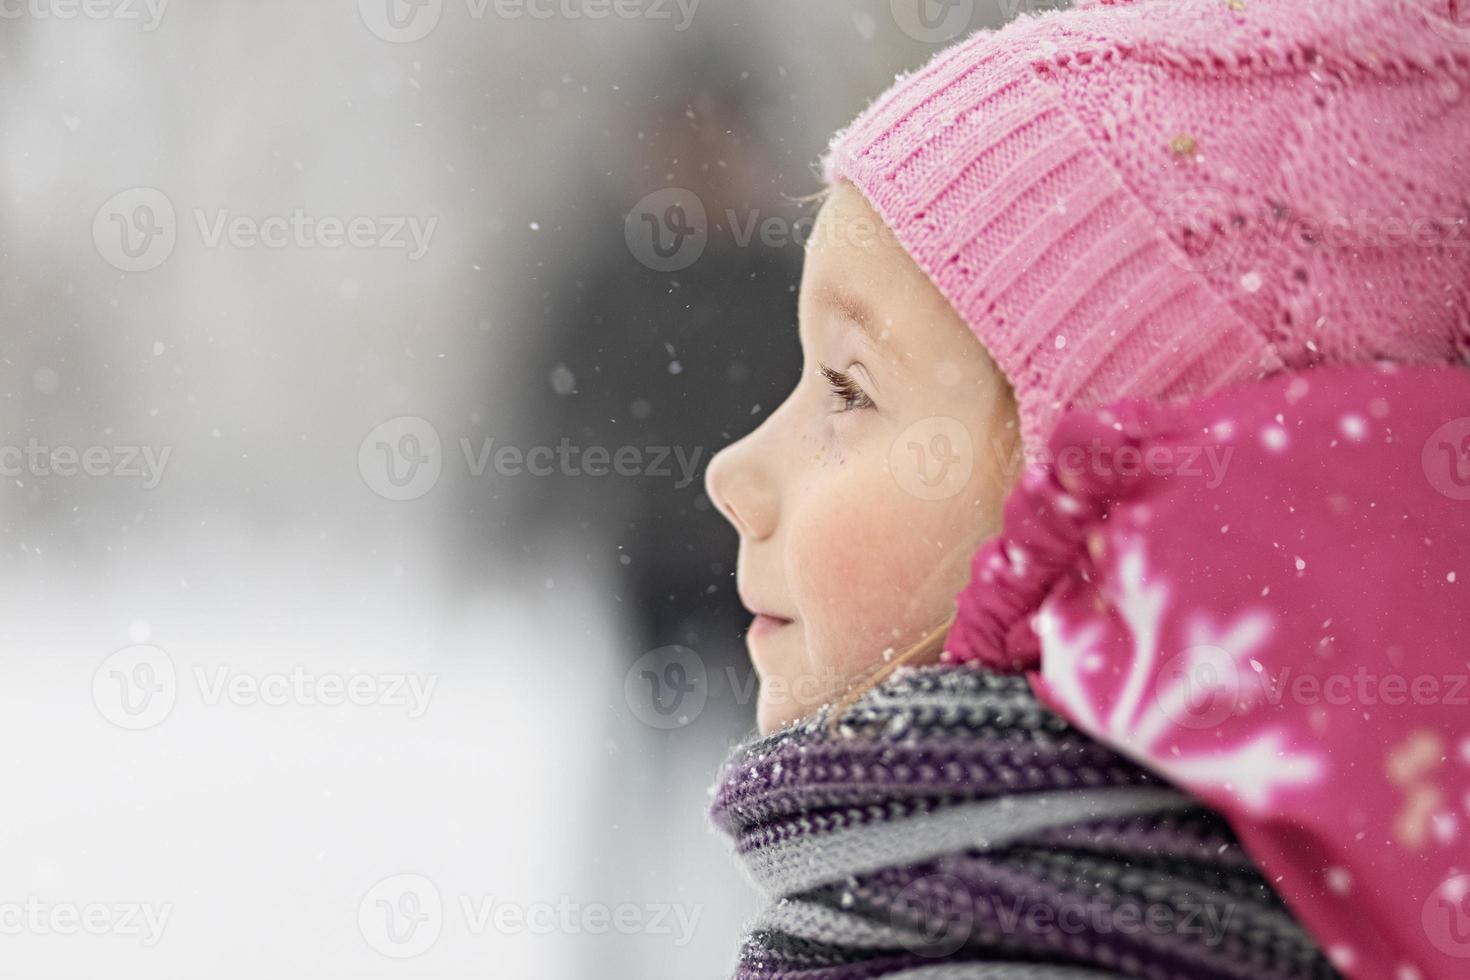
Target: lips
[{"x": 764, "y": 623}]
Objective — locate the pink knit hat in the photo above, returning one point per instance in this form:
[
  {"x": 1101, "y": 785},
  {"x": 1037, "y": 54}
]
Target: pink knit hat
[{"x": 1156, "y": 198}]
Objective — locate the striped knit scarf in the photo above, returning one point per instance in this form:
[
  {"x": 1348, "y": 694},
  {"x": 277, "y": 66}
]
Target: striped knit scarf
[{"x": 953, "y": 828}]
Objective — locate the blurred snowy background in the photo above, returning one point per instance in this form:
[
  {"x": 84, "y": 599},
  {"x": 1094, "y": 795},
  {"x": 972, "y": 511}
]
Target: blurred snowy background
[{"x": 306, "y": 671}]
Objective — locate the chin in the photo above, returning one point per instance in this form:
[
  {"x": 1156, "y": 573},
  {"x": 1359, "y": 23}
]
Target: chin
[
  {"x": 767, "y": 719},
  {"x": 771, "y": 715}
]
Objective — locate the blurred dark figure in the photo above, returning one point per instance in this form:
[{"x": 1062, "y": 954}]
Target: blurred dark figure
[
  {"x": 686, "y": 359},
  {"x": 674, "y": 363}
]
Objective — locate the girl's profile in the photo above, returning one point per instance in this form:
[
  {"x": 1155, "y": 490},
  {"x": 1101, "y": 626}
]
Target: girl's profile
[{"x": 1026, "y": 705}]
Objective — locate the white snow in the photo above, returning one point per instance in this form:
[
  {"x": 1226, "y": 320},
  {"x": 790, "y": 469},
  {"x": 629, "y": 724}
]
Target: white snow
[
  {"x": 1353, "y": 427},
  {"x": 275, "y": 821},
  {"x": 563, "y": 382}
]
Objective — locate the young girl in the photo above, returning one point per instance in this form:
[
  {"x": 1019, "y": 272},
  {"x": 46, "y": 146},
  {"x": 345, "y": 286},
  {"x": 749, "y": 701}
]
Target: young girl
[{"x": 1218, "y": 207}]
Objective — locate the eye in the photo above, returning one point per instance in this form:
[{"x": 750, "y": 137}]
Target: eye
[{"x": 846, "y": 389}]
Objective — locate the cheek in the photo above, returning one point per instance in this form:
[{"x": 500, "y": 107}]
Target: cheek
[{"x": 867, "y": 572}]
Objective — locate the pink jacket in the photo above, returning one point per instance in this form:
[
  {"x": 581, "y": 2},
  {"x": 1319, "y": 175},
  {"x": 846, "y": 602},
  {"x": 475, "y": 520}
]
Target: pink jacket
[{"x": 1264, "y": 596}]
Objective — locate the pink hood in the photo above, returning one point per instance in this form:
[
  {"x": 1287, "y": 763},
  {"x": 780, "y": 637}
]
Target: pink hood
[{"x": 1264, "y": 596}]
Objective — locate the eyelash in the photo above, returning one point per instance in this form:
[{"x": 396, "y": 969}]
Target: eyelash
[{"x": 844, "y": 387}]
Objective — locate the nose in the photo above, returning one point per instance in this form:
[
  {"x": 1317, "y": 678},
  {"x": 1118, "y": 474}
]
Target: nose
[{"x": 739, "y": 482}]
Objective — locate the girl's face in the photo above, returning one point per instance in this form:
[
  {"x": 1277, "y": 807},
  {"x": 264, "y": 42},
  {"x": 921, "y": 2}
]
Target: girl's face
[{"x": 861, "y": 499}]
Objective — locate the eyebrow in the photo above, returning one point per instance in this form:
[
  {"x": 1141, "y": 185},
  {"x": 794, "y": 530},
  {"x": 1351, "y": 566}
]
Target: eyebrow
[{"x": 860, "y": 313}]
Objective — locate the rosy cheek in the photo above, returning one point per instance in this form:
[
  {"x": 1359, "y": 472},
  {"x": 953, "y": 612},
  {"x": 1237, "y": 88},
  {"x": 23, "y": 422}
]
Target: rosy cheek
[{"x": 856, "y": 570}]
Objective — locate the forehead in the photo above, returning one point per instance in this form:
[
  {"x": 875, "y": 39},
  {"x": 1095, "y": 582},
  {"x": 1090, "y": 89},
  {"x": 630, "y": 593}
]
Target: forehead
[
  {"x": 848, "y": 231},
  {"x": 859, "y": 277},
  {"x": 853, "y": 261}
]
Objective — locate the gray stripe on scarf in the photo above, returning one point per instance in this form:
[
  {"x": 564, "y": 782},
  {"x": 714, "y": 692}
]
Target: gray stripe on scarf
[
  {"x": 808, "y": 920},
  {"x": 818, "y": 923},
  {"x": 821, "y": 923},
  {"x": 793, "y": 866},
  {"x": 885, "y": 706}
]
